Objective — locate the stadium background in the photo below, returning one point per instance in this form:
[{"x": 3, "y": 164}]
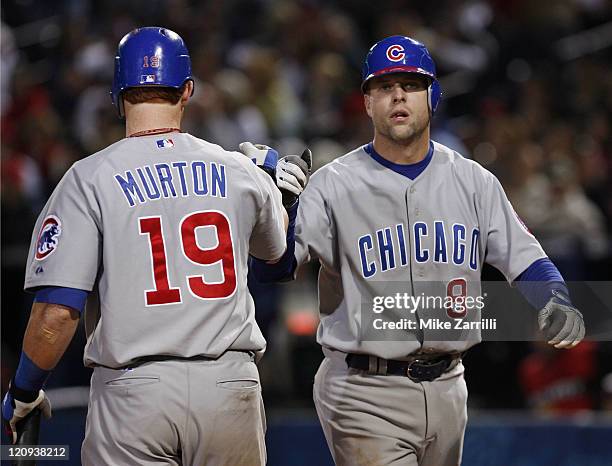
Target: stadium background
[{"x": 527, "y": 92}]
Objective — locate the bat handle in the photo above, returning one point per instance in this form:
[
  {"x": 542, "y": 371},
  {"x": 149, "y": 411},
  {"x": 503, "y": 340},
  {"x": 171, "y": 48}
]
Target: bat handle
[{"x": 27, "y": 434}]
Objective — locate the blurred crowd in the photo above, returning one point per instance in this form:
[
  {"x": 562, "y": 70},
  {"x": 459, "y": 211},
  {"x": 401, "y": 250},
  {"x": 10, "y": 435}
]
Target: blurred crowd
[{"x": 527, "y": 92}]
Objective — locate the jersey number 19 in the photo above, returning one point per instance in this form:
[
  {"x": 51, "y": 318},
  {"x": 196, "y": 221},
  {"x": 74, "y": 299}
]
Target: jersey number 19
[{"x": 222, "y": 253}]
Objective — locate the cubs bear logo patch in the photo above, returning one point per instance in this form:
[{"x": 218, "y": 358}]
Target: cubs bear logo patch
[{"x": 48, "y": 237}]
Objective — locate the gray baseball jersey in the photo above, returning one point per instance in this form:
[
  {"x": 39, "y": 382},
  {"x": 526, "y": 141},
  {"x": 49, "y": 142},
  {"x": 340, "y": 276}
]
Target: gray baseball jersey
[
  {"x": 162, "y": 227},
  {"x": 371, "y": 227}
]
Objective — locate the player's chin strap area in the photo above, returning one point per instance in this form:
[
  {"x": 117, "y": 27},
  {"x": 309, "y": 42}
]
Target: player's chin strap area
[{"x": 418, "y": 367}]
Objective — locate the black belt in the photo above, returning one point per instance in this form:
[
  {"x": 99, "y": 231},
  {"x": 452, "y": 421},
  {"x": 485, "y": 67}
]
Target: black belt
[
  {"x": 420, "y": 368},
  {"x": 163, "y": 357},
  {"x": 166, "y": 357}
]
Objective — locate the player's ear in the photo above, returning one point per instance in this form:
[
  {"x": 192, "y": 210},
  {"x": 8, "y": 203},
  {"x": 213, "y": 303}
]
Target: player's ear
[
  {"x": 367, "y": 101},
  {"x": 187, "y": 92}
]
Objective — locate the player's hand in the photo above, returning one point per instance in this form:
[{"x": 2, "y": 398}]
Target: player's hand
[
  {"x": 292, "y": 174},
  {"x": 264, "y": 157},
  {"x": 561, "y": 323},
  {"x": 17, "y": 404}
]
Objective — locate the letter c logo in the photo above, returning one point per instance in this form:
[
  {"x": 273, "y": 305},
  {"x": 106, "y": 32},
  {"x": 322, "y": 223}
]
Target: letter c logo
[{"x": 395, "y": 53}]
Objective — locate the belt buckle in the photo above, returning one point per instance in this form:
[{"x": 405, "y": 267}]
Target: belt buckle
[
  {"x": 426, "y": 374},
  {"x": 409, "y": 371}
]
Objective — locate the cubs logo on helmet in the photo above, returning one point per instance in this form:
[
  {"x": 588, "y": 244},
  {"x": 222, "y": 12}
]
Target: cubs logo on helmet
[
  {"x": 48, "y": 237},
  {"x": 395, "y": 52}
]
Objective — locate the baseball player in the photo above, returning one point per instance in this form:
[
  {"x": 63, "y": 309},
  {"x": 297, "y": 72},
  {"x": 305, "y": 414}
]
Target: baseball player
[
  {"x": 404, "y": 209},
  {"x": 161, "y": 225}
]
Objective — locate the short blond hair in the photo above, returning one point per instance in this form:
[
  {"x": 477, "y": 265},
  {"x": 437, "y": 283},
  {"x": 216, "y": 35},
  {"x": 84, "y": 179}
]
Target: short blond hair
[{"x": 139, "y": 95}]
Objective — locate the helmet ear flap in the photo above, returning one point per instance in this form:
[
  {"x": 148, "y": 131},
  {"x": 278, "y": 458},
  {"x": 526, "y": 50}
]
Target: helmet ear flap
[{"x": 434, "y": 93}]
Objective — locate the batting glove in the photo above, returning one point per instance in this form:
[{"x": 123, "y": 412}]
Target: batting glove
[
  {"x": 561, "y": 322},
  {"x": 17, "y": 404},
  {"x": 292, "y": 174},
  {"x": 264, "y": 157}
]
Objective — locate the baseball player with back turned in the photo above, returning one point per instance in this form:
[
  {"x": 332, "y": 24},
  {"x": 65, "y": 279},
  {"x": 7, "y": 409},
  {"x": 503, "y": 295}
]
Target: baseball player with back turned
[
  {"x": 161, "y": 225},
  {"x": 408, "y": 210}
]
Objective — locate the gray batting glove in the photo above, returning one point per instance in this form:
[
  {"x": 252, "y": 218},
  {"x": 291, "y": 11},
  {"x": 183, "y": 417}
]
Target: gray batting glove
[
  {"x": 292, "y": 174},
  {"x": 561, "y": 322}
]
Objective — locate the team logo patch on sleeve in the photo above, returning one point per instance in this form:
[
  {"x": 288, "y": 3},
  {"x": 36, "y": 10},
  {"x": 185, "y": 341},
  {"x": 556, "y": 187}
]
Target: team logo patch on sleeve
[
  {"x": 48, "y": 237},
  {"x": 523, "y": 224}
]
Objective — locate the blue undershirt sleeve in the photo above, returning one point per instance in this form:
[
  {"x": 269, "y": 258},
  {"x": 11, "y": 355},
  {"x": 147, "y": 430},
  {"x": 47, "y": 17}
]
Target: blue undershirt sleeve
[
  {"x": 70, "y": 297},
  {"x": 29, "y": 376},
  {"x": 538, "y": 281},
  {"x": 282, "y": 270}
]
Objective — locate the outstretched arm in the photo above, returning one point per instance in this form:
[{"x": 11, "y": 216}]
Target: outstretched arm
[
  {"x": 291, "y": 174},
  {"x": 283, "y": 269}
]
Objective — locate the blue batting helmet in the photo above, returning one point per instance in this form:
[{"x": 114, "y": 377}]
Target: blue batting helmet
[
  {"x": 401, "y": 54},
  {"x": 150, "y": 56}
]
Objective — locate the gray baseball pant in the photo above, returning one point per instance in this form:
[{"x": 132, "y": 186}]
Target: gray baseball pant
[
  {"x": 177, "y": 412},
  {"x": 385, "y": 420}
]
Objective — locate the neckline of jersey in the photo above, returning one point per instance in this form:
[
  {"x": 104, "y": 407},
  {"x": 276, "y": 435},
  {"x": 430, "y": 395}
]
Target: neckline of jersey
[
  {"x": 409, "y": 170},
  {"x": 154, "y": 132}
]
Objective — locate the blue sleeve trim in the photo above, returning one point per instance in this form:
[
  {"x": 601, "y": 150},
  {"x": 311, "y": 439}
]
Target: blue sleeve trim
[
  {"x": 29, "y": 376},
  {"x": 71, "y": 297},
  {"x": 538, "y": 281},
  {"x": 283, "y": 269}
]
